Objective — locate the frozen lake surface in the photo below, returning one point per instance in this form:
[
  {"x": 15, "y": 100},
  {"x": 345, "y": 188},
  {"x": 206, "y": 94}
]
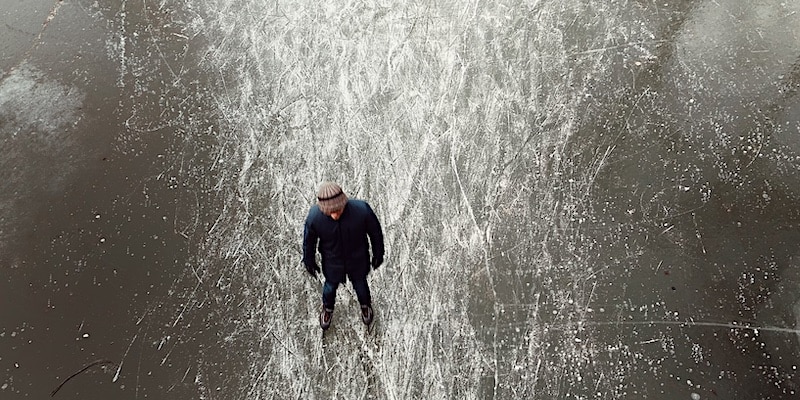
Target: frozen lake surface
[{"x": 581, "y": 199}]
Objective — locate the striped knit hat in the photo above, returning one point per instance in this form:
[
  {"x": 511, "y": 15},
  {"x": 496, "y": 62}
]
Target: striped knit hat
[{"x": 331, "y": 197}]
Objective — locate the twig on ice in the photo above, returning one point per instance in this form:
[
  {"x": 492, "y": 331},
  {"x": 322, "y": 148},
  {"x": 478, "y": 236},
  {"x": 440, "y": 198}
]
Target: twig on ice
[{"x": 82, "y": 370}]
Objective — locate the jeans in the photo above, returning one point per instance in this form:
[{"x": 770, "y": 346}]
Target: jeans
[{"x": 359, "y": 285}]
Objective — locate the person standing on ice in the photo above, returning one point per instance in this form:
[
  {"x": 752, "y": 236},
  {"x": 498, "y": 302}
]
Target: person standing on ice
[{"x": 339, "y": 227}]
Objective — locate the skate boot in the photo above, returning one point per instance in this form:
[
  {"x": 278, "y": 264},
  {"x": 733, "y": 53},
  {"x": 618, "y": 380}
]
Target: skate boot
[
  {"x": 366, "y": 314},
  {"x": 325, "y": 317}
]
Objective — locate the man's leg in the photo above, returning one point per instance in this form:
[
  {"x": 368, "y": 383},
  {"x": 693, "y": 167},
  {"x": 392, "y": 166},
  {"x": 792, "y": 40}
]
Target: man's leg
[
  {"x": 361, "y": 288},
  {"x": 328, "y": 302},
  {"x": 329, "y": 294},
  {"x": 364, "y": 298}
]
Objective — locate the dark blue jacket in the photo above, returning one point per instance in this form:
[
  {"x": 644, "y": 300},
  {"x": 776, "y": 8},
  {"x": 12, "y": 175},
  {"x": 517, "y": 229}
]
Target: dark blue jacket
[{"x": 343, "y": 244}]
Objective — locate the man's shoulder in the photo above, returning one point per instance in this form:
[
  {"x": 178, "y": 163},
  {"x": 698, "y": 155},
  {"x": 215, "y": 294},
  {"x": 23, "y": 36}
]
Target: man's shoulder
[
  {"x": 313, "y": 213},
  {"x": 359, "y": 205}
]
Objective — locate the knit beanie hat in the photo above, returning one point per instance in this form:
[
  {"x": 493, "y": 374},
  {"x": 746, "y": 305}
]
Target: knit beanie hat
[{"x": 331, "y": 197}]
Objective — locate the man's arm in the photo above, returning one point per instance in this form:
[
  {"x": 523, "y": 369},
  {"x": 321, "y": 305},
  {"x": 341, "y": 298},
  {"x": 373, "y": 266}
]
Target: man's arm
[
  {"x": 375, "y": 234},
  {"x": 310, "y": 239}
]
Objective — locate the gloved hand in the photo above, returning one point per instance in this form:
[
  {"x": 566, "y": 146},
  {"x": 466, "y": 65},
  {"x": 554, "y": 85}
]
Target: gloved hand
[
  {"x": 376, "y": 262},
  {"x": 312, "y": 269}
]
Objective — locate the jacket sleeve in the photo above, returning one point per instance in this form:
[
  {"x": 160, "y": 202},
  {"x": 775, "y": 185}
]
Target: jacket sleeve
[
  {"x": 375, "y": 234},
  {"x": 310, "y": 239}
]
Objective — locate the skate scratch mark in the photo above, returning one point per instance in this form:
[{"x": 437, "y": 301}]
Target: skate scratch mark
[
  {"x": 123, "y": 61},
  {"x": 617, "y": 47},
  {"x": 185, "y": 374},
  {"x": 474, "y": 221},
  {"x": 260, "y": 377},
  {"x": 734, "y": 326},
  {"x": 139, "y": 365},
  {"x": 119, "y": 366},
  {"x": 161, "y": 54},
  {"x": 190, "y": 301},
  {"x": 284, "y": 345},
  {"x": 164, "y": 360}
]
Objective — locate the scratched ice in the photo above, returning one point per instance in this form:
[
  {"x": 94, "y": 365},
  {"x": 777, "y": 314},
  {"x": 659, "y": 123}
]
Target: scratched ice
[
  {"x": 532, "y": 164},
  {"x": 580, "y": 199}
]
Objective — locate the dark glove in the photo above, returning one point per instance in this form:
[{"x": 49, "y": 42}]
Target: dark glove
[
  {"x": 376, "y": 262},
  {"x": 312, "y": 269}
]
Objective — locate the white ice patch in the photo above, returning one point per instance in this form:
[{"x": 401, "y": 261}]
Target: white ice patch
[
  {"x": 729, "y": 39},
  {"x": 30, "y": 103},
  {"x": 37, "y": 115}
]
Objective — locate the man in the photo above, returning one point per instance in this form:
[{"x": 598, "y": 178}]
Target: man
[{"x": 341, "y": 227}]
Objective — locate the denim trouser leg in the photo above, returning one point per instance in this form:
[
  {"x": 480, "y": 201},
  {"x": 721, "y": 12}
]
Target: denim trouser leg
[
  {"x": 329, "y": 294},
  {"x": 362, "y": 290}
]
